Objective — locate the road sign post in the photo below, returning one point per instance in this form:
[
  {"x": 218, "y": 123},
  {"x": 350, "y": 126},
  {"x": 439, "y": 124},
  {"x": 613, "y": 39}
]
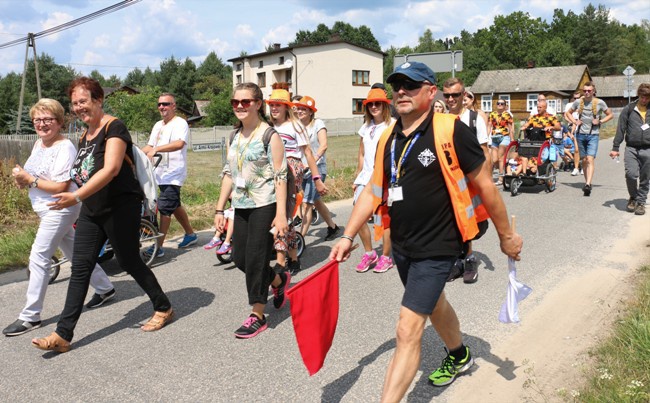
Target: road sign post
[{"x": 629, "y": 93}]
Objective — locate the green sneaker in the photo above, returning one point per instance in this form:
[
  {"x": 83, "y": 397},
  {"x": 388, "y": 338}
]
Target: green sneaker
[{"x": 450, "y": 369}]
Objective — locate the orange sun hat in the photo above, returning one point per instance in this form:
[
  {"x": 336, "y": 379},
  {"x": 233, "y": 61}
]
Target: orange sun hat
[
  {"x": 280, "y": 96},
  {"x": 376, "y": 95},
  {"x": 307, "y": 102}
]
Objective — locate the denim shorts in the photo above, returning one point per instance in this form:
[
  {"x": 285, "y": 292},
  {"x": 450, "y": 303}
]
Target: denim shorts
[
  {"x": 309, "y": 188},
  {"x": 169, "y": 199},
  {"x": 587, "y": 144},
  {"x": 423, "y": 279},
  {"x": 505, "y": 140}
]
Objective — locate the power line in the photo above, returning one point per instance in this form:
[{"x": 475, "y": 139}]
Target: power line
[{"x": 73, "y": 23}]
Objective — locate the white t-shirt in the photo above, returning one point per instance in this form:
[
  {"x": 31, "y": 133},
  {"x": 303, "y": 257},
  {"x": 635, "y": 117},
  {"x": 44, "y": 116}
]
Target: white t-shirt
[
  {"x": 481, "y": 126},
  {"x": 313, "y": 128},
  {"x": 370, "y": 134},
  {"x": 52, "y": 164},
  {"x": 292, "y": 140},
  {"x": 172, "y": 169}
]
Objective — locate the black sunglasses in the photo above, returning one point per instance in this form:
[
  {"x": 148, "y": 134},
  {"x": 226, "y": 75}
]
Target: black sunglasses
[
  {"x": 501, "y": 103},
  {"x": 451, "y": 94},
  {"x": 374, "y": 104},
  {"x": 164, "y": 104},
  {"x": 407, "y": 85}
]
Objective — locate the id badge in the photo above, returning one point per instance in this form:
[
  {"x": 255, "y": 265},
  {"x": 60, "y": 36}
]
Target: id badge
[
  {"x": 240, "y": 182},
  {"x": 395, "y": 194},
  {"x": 645, "y": 126}
]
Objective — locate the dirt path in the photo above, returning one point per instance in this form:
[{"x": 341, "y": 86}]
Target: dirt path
[{"x": 550, "y": 349}]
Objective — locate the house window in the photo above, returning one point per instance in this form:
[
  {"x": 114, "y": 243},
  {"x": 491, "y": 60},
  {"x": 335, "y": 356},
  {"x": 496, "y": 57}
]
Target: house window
[
  {"x": 261, "y": 64},
  {"x": 553, "y": 106},
  {"x": 357, "y": 106},
  {"x": 360, "y": 77},
  {"x": 238, "y": 78},
  {"x": 261, "y": 80},
  {"x": 238, "y": 67},
  {"x": 486, "y": 103},
  {"x": 287, "y": 75},
  {"x": 531, "y": 102},
  {"x": 281, "y": 60}
]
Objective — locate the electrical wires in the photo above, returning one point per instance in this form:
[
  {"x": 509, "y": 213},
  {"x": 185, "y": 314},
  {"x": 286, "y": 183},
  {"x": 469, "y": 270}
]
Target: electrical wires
[{"x": 73, "y": 23}]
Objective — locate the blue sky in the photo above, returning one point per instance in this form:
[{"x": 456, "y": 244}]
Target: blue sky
[{"x": 147, "y": 32}]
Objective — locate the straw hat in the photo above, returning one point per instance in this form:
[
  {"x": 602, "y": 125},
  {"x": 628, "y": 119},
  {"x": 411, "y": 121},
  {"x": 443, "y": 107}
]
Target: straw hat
[
  {"x": 376, "y": 95},
  {"x": 280, "y": 97},
  {"x": 308, "y": 102}
]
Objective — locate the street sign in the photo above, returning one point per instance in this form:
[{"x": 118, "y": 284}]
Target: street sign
[
  {"x": 629, "y": 71},
  {"x": 629, "y": 93},
  {"x": 439, "y": 62}
]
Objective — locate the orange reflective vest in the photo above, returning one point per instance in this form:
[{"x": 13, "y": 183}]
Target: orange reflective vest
[{"x": 467, "y": 205}]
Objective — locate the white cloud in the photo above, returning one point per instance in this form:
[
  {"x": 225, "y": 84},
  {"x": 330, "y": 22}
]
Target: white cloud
[
  {"x": 102, "y": 41},
  {"x": 244, "y": 30},
  {"x": 55, "y": 19}
]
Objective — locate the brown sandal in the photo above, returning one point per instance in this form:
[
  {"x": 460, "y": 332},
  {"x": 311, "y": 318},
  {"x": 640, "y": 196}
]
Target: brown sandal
[
  {"x": 158, "y": 321},
  {"x": 53, "y": 342}
]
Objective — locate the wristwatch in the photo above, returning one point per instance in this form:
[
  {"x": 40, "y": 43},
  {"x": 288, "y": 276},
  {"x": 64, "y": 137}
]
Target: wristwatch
[{"x": 34, "y": 184}]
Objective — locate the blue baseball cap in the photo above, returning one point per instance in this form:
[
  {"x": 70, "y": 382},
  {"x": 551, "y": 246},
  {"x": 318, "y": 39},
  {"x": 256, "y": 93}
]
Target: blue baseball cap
[{"x": 415, "y": 71}]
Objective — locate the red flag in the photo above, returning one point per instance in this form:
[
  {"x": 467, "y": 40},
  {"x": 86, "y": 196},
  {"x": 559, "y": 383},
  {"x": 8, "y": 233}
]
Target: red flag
[{"x": 315, "y": 313}]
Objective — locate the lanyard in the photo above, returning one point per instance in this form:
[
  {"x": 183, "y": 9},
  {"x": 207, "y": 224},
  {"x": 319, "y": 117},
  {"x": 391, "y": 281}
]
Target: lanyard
[
  {"x": 240, "y": 154},
  {"x": 395, "y": 171}
]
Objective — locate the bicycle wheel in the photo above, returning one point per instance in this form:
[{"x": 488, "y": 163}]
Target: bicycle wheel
[
  {"x": 55, "y": 268},
  {"x": 226, "y": 257},
  {"x": 315, "y": 216},
  {"x": 300, "y": 243},
  {"x": 148, "y": 239}
]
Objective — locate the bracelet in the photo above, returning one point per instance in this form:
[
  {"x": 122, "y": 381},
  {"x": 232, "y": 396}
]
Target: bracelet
[
  {"x": 218, "y": 212},
  {"x": 77, "y": 198},
  {"x": 349, "y": 238},
  {"x": 315, "y": 178}
]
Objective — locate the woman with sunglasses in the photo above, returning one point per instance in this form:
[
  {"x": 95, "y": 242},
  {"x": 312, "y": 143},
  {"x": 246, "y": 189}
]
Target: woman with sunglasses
[
  {"x": 501, "y": 129},
  {"x": 47, "y": 172},
  {"x": 306, "y": 110},
  {"x": 296, "y": 146},
  {"x": 112, "y": 203},
  {"x": 255, "y": 174},
  {"x": 377, "y": 118}
]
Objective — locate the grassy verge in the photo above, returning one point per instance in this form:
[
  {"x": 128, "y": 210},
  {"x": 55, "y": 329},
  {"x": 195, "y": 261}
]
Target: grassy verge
[{"x": 621, "y": 369}]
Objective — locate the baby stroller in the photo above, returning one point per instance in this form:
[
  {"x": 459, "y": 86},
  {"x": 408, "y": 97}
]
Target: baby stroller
[{"x": 536, "y": 147}]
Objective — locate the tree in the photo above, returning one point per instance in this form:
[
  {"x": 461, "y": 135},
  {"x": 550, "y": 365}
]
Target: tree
[
  {"x": 219, "y": 111},
  {"x": 361, "y": 36},
  {"x": 135, "y": 78},
  {"x": 96, "y": 75},
  {"x": 516, "y": 38},
  {"x": 137, "y": 111},
  {"x": 426, "y": 43}
]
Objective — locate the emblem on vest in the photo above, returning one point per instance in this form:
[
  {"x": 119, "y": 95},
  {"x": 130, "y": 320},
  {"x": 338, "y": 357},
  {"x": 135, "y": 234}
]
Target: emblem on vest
[{"x": 426, "y": 157}]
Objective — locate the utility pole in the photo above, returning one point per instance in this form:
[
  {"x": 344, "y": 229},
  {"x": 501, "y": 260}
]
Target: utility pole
[{"x": 31, "y": 42}]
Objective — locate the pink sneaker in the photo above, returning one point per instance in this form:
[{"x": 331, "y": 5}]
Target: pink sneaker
[
  {"x": 384, "y": 263},
  {"x": 212, "y": 244},
  {"x": 225, "y": 248},
  {"x": 366, "y": 261}
]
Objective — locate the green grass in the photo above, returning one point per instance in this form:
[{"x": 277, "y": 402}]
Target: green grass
[{"x": 621, "y": 369}]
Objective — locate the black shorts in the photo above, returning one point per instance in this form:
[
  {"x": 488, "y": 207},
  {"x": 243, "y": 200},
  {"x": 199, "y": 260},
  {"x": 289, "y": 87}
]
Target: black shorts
[
  {"x": 169, "y": 199},
  {"x": 423, "y": 279}
]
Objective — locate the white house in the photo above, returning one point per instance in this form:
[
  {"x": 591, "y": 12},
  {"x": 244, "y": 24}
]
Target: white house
[{"x": 337, "y": 74}]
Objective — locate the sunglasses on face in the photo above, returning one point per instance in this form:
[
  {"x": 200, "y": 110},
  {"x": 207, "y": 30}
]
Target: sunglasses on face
[
  {"x": 587, "y": 90},
  {"x": 407, "y": 85},
  {"x": 451, "y": 94},
  {"x": 501, "y": 103},
  {"x": 164, "y": 104},
  {"x": 375, "y": 104},
  {"x": 245, "y": 103},
  {"x": 45, "y": 121}
]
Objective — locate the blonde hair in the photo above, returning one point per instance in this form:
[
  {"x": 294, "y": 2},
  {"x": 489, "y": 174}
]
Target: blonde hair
[
  {"x": 385, "y": 113},
  {"x": 51, "y": 106},
  {"x": 290, "y": 116},
  {"x": 441, "y": 103}
]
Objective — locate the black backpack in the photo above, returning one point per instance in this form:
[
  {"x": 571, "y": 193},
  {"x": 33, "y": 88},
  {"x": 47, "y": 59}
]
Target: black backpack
[{"x": 292, "y": 191}]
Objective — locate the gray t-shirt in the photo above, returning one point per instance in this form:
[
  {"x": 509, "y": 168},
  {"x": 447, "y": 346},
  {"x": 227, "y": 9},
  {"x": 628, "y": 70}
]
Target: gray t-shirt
[{"x": 588, "y": 115}]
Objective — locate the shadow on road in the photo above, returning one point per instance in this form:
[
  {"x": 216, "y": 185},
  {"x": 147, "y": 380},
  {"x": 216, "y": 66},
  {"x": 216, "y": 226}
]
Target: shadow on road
[
  {"x": 184, "y": 301},
  {"x": 619, "y": 204}
]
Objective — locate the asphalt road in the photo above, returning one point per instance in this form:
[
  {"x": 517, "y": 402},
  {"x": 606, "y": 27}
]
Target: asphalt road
[{"x": 197, "y": 358}]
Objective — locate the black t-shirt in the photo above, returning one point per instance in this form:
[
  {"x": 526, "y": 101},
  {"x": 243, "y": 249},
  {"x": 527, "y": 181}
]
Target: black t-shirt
[
  {"x": 423, "y": 225},
  {"x": 90, "y": 159}
]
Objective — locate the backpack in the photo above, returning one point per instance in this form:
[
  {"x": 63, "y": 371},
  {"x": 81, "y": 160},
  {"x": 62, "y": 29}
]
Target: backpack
[
  {"x": 143, "y": 169},
  {"x": 292, "y": 190}
]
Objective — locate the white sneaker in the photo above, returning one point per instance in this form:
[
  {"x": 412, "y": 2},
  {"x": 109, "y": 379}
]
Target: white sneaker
[
  {"x": 575, "y": 172},
  {"x": 582, "y": 172}
]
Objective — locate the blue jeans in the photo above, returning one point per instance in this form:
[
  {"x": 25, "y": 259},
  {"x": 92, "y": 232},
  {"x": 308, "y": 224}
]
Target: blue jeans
[{"x": 587, "y": 144}]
